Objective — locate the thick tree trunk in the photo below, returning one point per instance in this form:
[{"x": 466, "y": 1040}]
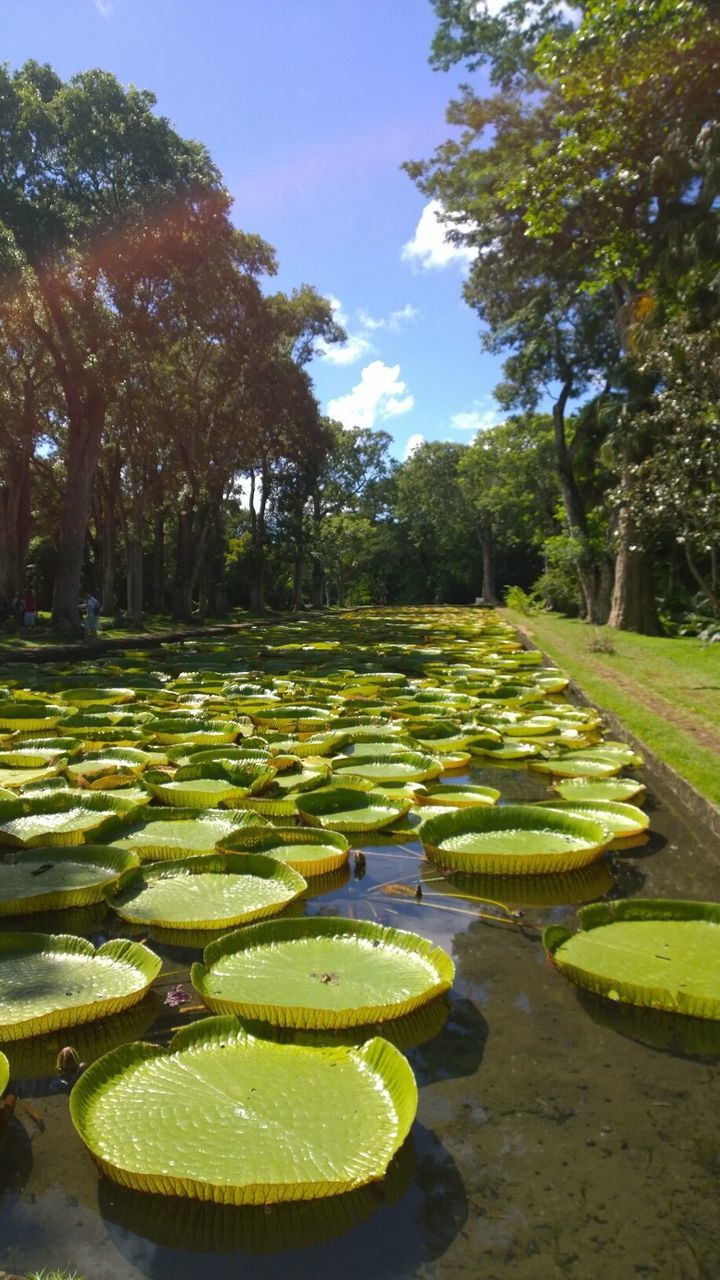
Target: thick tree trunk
[
  {"x": 159, "y": 563},
  {"x": 83, "y": 454},
  {"x": 633, "y": 602},
  {"x": 15, "y": 524},
  {"x": 298, "y": 583},
  {"x": 318, "y": 582},
  {"x": 135, "y": 582},
  {"x": 489, "y": 590},
  {"x": 182, "y": 589}
]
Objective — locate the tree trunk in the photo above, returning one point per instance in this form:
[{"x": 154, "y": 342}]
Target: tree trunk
[
  {"x": 633, "y": 602},
  {"x": 83, "y": 454},
  {"x": 182, "y": 589},
  {"x": 489, "y": 591},
  {"x": 15, "y": 523},
  {"x": 135, "y": 582},
  {"x": 159, "y": 563},
  {"x": 298, "y": 583}
]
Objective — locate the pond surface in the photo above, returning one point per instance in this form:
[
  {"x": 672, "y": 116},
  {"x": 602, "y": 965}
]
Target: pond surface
[{"x": 551, "y": 1140}]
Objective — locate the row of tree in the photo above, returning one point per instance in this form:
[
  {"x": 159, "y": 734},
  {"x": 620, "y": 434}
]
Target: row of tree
[
  {"x": 587, "y": 181},
  {"x": 159, "y": 438}
]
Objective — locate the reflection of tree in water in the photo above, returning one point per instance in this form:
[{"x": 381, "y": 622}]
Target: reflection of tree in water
[
  {"x": 628, "y": 879},
  {"x": 15, "y": 1159},
  {"x": 386, "y": 1229},
  {"x": 457, "y": 1050}
]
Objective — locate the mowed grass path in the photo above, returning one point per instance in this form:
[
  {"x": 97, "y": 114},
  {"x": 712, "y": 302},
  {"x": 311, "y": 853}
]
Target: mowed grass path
[{"x": 667, "y": 692}]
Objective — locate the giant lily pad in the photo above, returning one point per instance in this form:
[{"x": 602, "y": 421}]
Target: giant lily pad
[
  {"x": 513, "y": 839},
  {"x": 55, "y": 879},
  {"x": 604, "y": 789},
  {"x": 347, "y": 809},
  {"x": 311, "y": 852},
  {"x": 63, "y": 818},
  {"x": 168, "y": 833},
  {"x": 215, "y": 891},
  {"x": 321, "y": 972},
  {"x": 54, "y": 980},
  {"x": 456, "y": 794},
  {"x": 402, "y": 766},
  {"x": 623, "y": 820},
  {"x": 4, "y": 1073},
  {"x": 655, "y": 953},
  {"x": 209, "y": 785},
  {"x": 158, "y": 1119}
]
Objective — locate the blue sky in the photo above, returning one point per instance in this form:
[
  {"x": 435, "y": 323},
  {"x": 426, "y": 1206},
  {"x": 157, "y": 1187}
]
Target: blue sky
[{"x": 309, "y": 108}]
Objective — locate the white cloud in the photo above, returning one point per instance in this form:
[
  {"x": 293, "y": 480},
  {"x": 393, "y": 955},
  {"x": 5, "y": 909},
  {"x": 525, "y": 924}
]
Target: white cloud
[
  {"x": 475, "y": 420},
  {"x": 413, "y": 443},
  {"x": 394, "y": 321},
  {"x": 105, "y": 8},
  {"x": 492, "y": 8},
  {"x": 380, "y": 394},
  {"x": 348, "y": 352},
  {"x": 429, "y": 246}
]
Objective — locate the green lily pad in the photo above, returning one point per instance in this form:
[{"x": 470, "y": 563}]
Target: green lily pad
[
  {"x": 60, "y": 819},
  {"x": 603, "y": 789},
  {"x": 655, "y": 953},
  {"x": 168, "y": 833},
  {"x": 191, "y": 729},
  {"x": 50, "y": 980},
  {"x": 13, "y": 778},
  {"x": 457, "y": 794},
  {"x": 578, "y": 764},
  {"x": 405, "y": 766},
  {"x": 623, "y": 820},
  {"x": 215, "y": 891},
  {"x": 4, "y": 1073},
  {"x": 513, "y": 839},
  {"x": 321, "y": 972},
  {"x": 55, "y": 879},
  {"x": 157, "y": 1119},
  {"x": 346, "y": 809},
  {"x": 311, "y": 852},
  {"x": 209, "y": 785}
]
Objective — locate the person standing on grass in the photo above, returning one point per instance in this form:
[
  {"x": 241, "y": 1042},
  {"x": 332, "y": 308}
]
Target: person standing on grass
[
  {"x": 30, "y": 615},
  {"x": 92, "y": 613}
]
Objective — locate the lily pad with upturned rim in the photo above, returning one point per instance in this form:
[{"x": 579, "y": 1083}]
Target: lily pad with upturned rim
[
  {"x": 311, "y": 851},
  {"x": 513, "y": 839},
  {"x": 456, "y": 794},
  {"x": 321, "y": 972},
  {"x": 167, "y": 833},
  {"x": 57, "y": 878},
  {"x": 345, "y": 809},
  {"x": 623, "y": 789},
  {"x": 57, "y": 819},
  {"x": 623, "y": 820},
  {"x": 157, "y": 1119},
  {"x": 405, "y": 766},
  {"x": 215, "y": 891},
  {"x": 50, "y": 980},
  {"x": 658, "y": 953},
  {"x": 4, "y": 1073}
]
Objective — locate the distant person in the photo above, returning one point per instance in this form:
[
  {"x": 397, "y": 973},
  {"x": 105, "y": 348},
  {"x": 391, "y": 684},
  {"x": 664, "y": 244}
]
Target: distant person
[
  {"x": 92, "y": 613},
  {"x": 30, "y": 614},
  {"x": 18, "y": 609}
]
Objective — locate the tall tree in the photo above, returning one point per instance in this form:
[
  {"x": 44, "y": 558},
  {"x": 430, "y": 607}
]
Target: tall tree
[{"x": 83, "y": 166}]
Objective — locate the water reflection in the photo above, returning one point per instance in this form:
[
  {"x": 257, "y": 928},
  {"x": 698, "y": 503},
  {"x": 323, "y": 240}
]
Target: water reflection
[
  {"x": 670, "y": 1032},
  {"x": 409, "y": 1218}
]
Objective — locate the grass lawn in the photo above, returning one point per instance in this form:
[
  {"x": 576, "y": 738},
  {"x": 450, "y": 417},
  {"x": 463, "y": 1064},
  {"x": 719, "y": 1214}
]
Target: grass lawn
[{"x": 666, "y": 691}]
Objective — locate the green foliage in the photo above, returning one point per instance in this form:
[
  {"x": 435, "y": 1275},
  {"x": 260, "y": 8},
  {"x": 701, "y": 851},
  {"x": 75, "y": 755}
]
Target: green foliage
[{"x": 524, "y": 601}]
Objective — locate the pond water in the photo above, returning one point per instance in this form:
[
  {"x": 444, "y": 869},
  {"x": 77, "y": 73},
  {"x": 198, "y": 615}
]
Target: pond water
[{"x": 550, "y": 1141}]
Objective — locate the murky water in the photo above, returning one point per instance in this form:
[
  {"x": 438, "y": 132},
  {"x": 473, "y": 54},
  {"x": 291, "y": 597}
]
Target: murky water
[{"x": 551, "y": 1141}]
